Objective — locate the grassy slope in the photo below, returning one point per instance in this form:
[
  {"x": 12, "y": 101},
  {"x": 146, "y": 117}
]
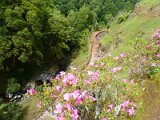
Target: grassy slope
[
  {"x": 141, "y": 23},
  {"x": 135, "y": 26}
]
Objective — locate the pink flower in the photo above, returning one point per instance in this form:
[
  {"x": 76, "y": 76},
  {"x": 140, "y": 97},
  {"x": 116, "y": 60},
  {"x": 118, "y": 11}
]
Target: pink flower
[
  {"x": 31, "y": 91},
  {"x": 125, "y": 104},
  {"x": 154, "y": 64},
  {"x": 109, "y": 55},
  {"x": 84, "y": 94},
  {"x": 54, "y": 95},
  {"x": 149, "y": 47},
  {"x": 59, "y": 108},
  {"x": 68, "y": 106},
  {"x": 74, "y": 114},
  {"x": 62, "y": 73},
  {"x": 108, "y": 110},
  {"x": 111, "y": 106},
  {"x": 57, "y": 77},
  {"x": 75, "y": 94},
  {"x": 116, "y": 69},
  {"x": 59, "y": 88},
  {"x": 132, "y": 82},
  {"x": 131, "y": 111},
  {"x": 92, "y": 98},
  {"x": 67, "y": 96},
  {"x": 39, "y": 105},
  {"x": 122, "y": 55},
  {"x": 70, "y": 79},
  {"x": 88, "y": 81},
  {"x": 158, "y": 55},
  {"x": 61, "y": 117},
  {"x": 94, "y": 76},
  {"x": 125, "y": 80},
  {"x": 91, "y": 64},
  {"x": 102, "y": 64},
  {"x": 104, "y": 119}
]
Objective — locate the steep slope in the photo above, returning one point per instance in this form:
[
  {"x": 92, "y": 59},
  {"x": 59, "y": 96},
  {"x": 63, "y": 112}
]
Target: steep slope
[{"x": 141, "y": 23}]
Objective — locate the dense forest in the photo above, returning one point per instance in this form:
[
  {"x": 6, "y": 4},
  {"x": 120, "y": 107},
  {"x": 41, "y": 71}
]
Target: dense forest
[{"x": 35, "y": 31}]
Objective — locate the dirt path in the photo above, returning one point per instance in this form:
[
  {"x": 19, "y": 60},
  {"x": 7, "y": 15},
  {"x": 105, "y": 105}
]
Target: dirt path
[{"x": 96, "y": 36}]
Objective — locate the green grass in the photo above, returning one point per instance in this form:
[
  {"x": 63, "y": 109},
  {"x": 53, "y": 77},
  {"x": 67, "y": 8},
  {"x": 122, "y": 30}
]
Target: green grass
[
  {"x": 140, "y": 25},
  {"x": 30, "y": 111},
  {"x": 129, "y": 30}
]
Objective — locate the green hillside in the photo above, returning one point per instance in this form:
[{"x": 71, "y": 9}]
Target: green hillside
[{"x": 141, "y": 23}]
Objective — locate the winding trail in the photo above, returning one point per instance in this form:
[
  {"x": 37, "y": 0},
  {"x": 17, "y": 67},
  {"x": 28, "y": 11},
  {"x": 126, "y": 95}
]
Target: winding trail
[{"x": 96, "y": 36}]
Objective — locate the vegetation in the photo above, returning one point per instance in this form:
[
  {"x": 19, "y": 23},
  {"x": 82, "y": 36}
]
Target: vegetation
[{"x": 36, "y": 33}]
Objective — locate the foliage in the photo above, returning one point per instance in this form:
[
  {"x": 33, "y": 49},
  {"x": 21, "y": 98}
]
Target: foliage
[
  {"x": 10, "y": 111},
  {"x": 13, "y": 86}
]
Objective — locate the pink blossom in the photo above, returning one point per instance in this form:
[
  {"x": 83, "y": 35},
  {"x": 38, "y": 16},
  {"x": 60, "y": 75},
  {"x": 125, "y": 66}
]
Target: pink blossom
[
  {"x": 158, "y": 55},
  {"x": 94, "y": 76},
  {"x": 132, "y": 82},
  {"x": 68, "y": 106},
  {"x": 104, "y": 119},
  {"x": 59, "y": 88},
  {"x": 149, "y": 47},
  {"x": 31, "y": 91},
  {"x": 74, "y": 114},
  {"x": 67, "y": 96},
  {"x": 108, "y": 110},
  {"x": 75, "y": 94},
  {"x": 125, "y": 80},
  {"x": 102, "y": 64},
  {"x": 84, "y": 94},
  {"x": 88, "y": 81},
  {"x": 62, "y": 73},
  {"x": 109, "y": 55},
  {"x": 79, "y": 99},
  {"x": 131, "y": 111},
  {"x": 57, "y": 77},
  {"x": 39, "y": 104},
  {"x": 70, "y": 79},
  {"x": 61, "y": 117},
  {"x": 125, "y": 104},
  {"x": 92, "y": 98},
  {"x": 111, "y": 106},
  {"x": 59, "y": 108},
  {"x": 91, "y": 64},
  {"x": 116, "y": 69},
  {"x": 122, "y": 55},
  {"x": 54, "y": 95},
  {"x": 154, "y": 64}
]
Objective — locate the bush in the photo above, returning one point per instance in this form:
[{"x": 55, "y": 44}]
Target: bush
[
  {"x": 10, "y": 111},
  {"x": 13, "y": 86}
]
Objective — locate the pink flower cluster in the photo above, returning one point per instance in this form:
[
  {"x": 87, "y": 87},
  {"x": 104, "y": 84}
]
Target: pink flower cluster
[
  {"x": 31, "y": 91},
  {"x": 122, "y": 55},
  {"x": 129, "y": 107},
  {"x": 70, "y": 79},
  {"x": 110, "y": 107},
  {"x": 93, "y": 75},
  {"x": 116, "y": 69},
  {"x": 156, "y": 34}
]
